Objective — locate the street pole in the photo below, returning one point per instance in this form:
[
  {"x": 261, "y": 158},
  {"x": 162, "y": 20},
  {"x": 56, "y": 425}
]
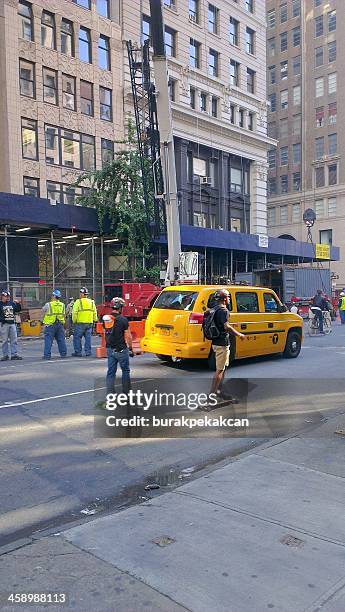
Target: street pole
[
  {"x": 205, "y": 266},
  {"x": 53, "y": 257},
  {"x": 7, "y": 261},
  {"x": 102, "y": 267},
  {"x": 93, "y": 266},
  {"x": 232, "y": 264}
]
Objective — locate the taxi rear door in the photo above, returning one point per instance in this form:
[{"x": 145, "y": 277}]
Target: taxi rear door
[
  {"x": 247, "y": 318},
  {"x": 273, "y": 323}
]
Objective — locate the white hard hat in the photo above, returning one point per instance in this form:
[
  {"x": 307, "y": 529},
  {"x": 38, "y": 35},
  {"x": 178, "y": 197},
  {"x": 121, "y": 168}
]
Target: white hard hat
[
  {"x": 342, "y": 293},
  {"x": 107, "y": 318}
]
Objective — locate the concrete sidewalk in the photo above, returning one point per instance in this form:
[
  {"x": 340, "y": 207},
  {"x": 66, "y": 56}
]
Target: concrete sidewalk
[{"x": 266, "y": 531}]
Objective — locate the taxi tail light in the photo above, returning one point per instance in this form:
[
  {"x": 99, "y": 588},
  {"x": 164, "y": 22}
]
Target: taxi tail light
[{"x": 196, "y": 318}]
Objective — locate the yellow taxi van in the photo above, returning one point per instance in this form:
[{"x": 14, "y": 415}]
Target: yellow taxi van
[{"x": 173, "y": 328}]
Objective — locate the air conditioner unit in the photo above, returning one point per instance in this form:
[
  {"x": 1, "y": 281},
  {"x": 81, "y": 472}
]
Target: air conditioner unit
[
  {"x": 205, "y": 180},
  {"x": 192, "y": 18}
]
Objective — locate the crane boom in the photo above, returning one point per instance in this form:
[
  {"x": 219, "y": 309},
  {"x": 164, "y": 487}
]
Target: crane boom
[{"x": 164, "y": 115}]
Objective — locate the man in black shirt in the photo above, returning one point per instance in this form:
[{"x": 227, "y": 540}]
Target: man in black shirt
[
  {"x": 119, "y": 346},
  {"x": 221, "y": 344},
  {"x": 8, "y": 328},
  {"x": 319, "y": 305}
]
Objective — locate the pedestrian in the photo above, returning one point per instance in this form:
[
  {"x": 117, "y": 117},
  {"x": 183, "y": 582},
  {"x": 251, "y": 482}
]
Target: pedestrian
[
  {"x": 69, "y": 324},
  {"x": 341, "y": 307},
  {"x": 294, "y": 309},
  {"x": 119, "y": 345},
  {"x": 220, "y": 338},
  {"x": 8, "y": 311},
  {"x": 318, "y": 307},
  {"x": 84, "y": 315},
  {"x": 54, "y": 321}
]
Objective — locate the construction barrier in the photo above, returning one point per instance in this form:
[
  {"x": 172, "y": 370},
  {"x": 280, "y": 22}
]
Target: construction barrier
[
  {"x": 31, "y": 328},
  {"x": 137, "y": 329}
]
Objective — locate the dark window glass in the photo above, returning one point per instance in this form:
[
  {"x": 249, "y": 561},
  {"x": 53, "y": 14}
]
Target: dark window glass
[
  {"x": 88, "y": 154},
  {"x": 234, "y": 73},
  {"x": 213, "y": 61},
  {"x": 212, "y": 19},
  {"x": 194, "y": 10},
  {"x": 107, "y": 151},
  {"x": 68, "y": 92},
  {"x": 250, "y": 34},
  {"x": 26, "y": 24},
  {"x": 31, "y": 186},
  {"x": 27, "y": 78},
  {"x": 85, "y": 45},
  {"x": 105, "y": 98},
  {"x": 194, "y": 53},
  {"x": 270, "y": 302},
  {"x": 104, "y": 52},
  {"x": 170, "y": 42},
  {"x": 145, "y": 28},
  {"x": 214, "y": 106},
  {"x": 50, "y": 86},
  {"x": 84, "y": 3},
  {"x": 233, "y": 31},
  {"x": 86, "y": 98},
  {"x": 176, "y": 300},
  {"x": 103, "y": 8},
  {"x": 67, "y": 39},
  {"x": 247, "y": 301},
  {"x": 48, "y": 33},
  {"x": 250, "y": 80},
  {"x": 52, "y": 145},
  {"x": 29, "y": 139},
  {"x": 332, "y": 174}
]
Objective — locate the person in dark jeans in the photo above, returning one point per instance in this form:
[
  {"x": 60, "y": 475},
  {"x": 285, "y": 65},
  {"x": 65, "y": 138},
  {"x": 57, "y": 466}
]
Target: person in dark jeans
[
  {"x": 8, "y": 328},
  {"x": 119, "y": 347},
  {"x": 319, "y": 305}
]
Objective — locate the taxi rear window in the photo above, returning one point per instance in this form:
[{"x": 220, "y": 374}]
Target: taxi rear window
[{"x": 176, "y": 300}]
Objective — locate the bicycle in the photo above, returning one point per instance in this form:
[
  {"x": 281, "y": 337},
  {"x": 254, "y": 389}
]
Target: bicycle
[{"x": 314, "y": 324}]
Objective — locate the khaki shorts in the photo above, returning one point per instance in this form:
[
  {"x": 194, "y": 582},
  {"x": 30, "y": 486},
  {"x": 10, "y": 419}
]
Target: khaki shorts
[{"x": 222, "y": 357}]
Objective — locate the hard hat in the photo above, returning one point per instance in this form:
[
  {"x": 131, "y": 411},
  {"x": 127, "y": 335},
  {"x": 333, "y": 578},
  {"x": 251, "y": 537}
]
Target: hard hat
[
  {"x": 221, "y": 294},
  {"x": 342, "y": 293},
  {"x": 108, "y": 321},
  {"x": 71, "y": 299},
  {"x": 117, "y": 303},
  {"x": 84, "y": 290},
  {"x": 6, "y": 293},
  {"x": 56, "y": 293}
]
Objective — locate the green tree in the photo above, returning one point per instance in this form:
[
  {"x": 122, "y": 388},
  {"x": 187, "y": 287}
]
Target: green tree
[{"x": 117, "y": 193}]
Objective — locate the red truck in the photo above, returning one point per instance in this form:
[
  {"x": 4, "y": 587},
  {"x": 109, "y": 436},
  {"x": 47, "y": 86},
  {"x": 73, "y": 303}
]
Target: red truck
[{"x": 139, "y": 298}]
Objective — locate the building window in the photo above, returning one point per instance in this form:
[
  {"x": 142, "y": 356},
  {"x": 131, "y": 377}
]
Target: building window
[
  {"x": 85, "y": 45},
  {"x": 283, "y": 41},
  {"x": 319, "y": 209},
  {"x": 67, "y": 37},
  {"x": 192, "y": 96},
  {"x": 326, "y": 237},
  {"x": 234, "y": 73},
  {"x": 86, "y": 98},
  {"x": 296, "y": 181},
  {"x": 332, "y": 113},
  {"x": 52, "y": 145},
  {"x": 332, "y": 174},
  {"x": 319, "y": 147},
  {"x": 194, "y": 53},
  {"x": 284, "y": 70},
  {"x": 332, "y": 83},
  {"x": 214, "y": 106},
  {"x": 296, "y": 36},
  {"x": 27, "y": 78},
  {"x": 212, "y": 19},
  {"x": 241, "y": 117},
  {"x": 250, "y": 80},
  {"x": 318, "y": 24},
  {"x": 194, "y": 10},
  {"x": 332, "y": 144},
  {"x": 272, "y": 101},
  {"x": 318, "y": 57},
  {"x": 284, "y": 209},
  {"x": 54, "y": 194},
  {"x": 284, "y": 128},
  {"x": 272, "y": 188},
  {"x": 103, "y": 8},
  {"x": 332, "y": 207},
  {"x": 31, "y": 186},
  {"x": 70, "y": 149},
  {"x": 170, "y": 4},
  {"x": 50, "y": 86},
  {"x": 332, "y": 51},
  {"x": 284, "y": 99},
  {"x": 320, "y": 177},
  {"x": 296, "y": 125},
  {"x": 88, "y": 156},
  {"x": 271, "y": 216},
  {"x": 107, "y": 151},
  {"x": 104, "y": 52},
  {"x": 284, "y": 156},
  {"x": 236, "y": 180},
  {"x": 203, "y": 102},
  {"x": 296, "y": 153},
  {"x": 250, "y": 39},
  {"x": 29, "y": 139},
  {"x": 271, "y": 75},
  {"x": 26, "y": 22},
  {"x": 232, "y": 113},
  {"x": 296, "y": 95},
  {"x": 332, "y": 21},
  {"x": 85, "y": 3},
  {"x": 251, "y": 121},
  {"x": 213, "y": 62},
  {"x": 234, "y": 31},
  {"x": 283, "y": 13},
  {"x": 296, "y": 65},
  {"x": 271, "y": 46},
  {"x": 319, "y": 87},
  {"x": 68, "y": 92},
  {"x": 172, "y": 89},
  {"x": 48, "y": 33},
  {"x": 320, "y": 116},
  {"x": 271, "y": 157},
  {"x": 271, "y": 18},
  {"x": 317, "y": 3},
  {"x": 105, "y": 98},
  {"x": 199, "y": 219},
  {"x": 145, "y": 28},
  {"x": 296, "y": 8},
  {"x": 250, "y": 6},
  {"x": 170, "y": 42}
]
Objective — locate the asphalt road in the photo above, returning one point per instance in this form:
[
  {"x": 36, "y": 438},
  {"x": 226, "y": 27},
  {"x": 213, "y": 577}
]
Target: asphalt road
[{"x": 52, "y": 467}]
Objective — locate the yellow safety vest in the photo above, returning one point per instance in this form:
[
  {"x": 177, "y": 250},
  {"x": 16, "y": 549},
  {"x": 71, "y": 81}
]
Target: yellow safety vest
[
  {"x": 342, "y": 305},
  {"x": 84, "y": 311},
  {"x": 56, "y": 312}
]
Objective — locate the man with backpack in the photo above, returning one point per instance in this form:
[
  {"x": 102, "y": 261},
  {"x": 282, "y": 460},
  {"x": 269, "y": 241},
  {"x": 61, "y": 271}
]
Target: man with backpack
[
  {"x": 217, "y": 328},
  {"x": 119, "y": 345}
]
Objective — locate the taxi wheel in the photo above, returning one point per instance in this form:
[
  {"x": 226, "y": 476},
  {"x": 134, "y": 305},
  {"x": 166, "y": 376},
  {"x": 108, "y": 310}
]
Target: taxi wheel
[
  {"x": 293, "y": 345},
  {"x": 163, "y": 357}
]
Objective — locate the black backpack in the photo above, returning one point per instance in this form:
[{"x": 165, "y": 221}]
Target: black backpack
[{"x": 209, "y": 327}]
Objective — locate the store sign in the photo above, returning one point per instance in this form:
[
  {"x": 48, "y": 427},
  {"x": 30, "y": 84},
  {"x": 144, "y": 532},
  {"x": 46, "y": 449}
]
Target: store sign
[
  {"x": 322, "y": 251},
  {"x": 263, "y": 240}
]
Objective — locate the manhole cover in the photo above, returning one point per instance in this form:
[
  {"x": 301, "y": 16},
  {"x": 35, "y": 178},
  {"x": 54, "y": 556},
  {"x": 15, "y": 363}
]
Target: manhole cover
[{"x": 290, "y": 540}]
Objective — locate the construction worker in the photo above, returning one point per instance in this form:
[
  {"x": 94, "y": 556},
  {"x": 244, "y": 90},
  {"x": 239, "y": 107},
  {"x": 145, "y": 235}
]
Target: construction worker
[
  {"x": 119, "y": 345},
  {"x": 84, "y": 315},
  {"x": 8, "y": 328},
  {"x": 69, "y": 324},
  {"x": 341, "y": 307},
  {"x": 54, "y": 314}
]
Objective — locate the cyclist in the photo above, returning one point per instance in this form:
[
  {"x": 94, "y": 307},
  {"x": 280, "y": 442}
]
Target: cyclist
[{"x": 318, "y": 307}]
